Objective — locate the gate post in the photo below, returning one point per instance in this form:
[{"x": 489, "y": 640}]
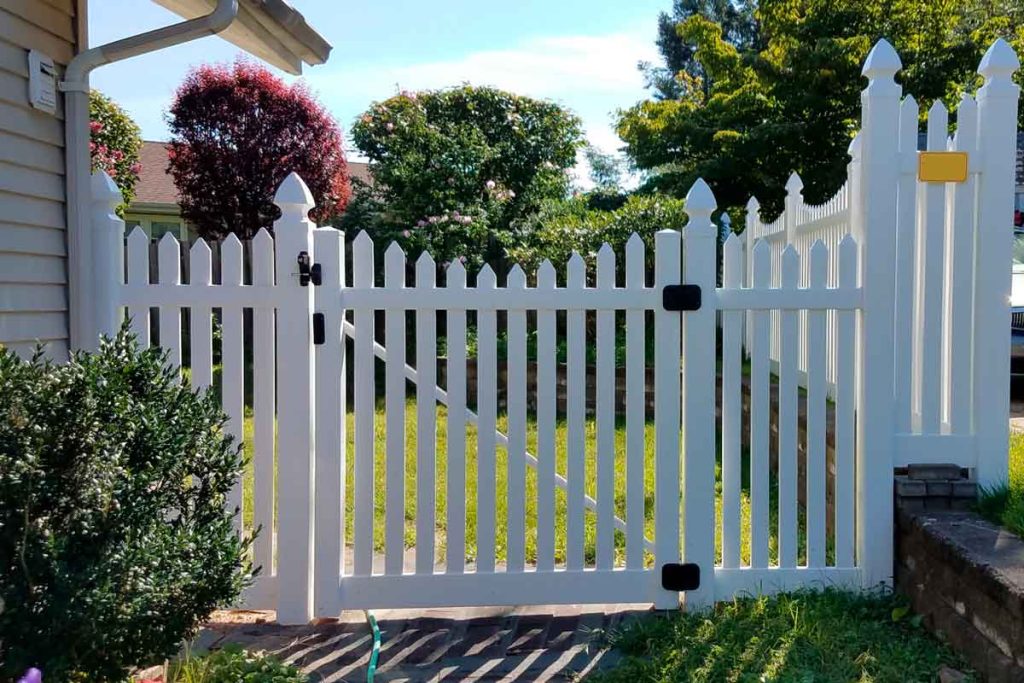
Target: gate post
[
  {"x": 880, "y": 103},
  {"x": 997, "y": 148},
  {"x": 293, "y": 233},
  {"x": 699, "y": 266},
  {"x": 107, "y": 258}
]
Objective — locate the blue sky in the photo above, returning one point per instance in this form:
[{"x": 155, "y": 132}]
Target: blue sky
[{"x": 578, "y": 53}]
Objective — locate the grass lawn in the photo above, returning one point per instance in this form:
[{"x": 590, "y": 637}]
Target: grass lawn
[
  {"x": 821, "y": 637},
  {"x": 1005, "y": 504},
  {"x": 501, "y": 487}
]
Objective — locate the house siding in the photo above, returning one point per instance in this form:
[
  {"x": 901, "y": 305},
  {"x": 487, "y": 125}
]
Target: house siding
[{"x": 33, "y": 246}]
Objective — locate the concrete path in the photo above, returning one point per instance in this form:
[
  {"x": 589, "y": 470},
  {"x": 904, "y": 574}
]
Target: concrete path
[{"x": 538, "y": 643}]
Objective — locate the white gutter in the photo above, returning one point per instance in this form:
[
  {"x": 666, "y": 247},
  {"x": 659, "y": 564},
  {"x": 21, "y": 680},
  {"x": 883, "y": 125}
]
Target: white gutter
[{"x": 81, "y": 298}]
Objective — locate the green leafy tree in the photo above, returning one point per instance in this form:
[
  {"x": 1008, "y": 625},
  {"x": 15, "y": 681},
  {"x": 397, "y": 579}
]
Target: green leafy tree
[
  {"x": 455, "y": 169},
  {"x": 793, "y": 103},
  {"x": 114, "y": 144}
]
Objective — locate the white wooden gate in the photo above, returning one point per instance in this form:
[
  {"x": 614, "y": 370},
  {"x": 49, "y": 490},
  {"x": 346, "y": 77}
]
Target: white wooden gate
[{"x": 592, "y": 525}]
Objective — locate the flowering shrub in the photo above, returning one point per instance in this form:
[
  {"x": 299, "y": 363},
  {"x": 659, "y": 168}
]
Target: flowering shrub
[
  {"x": 114, "y": 144},
  {"x": 234, "y": 665},
  {"x": 455, "y": 169},
  {"x": 237, "y": 131},
  {"x": 568, "y": 226},
  {"x": 114, "y": 540}
]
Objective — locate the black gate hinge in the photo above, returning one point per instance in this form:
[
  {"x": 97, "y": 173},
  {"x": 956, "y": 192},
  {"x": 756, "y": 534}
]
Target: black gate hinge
[
  {"x": 680, "y": 577},
  {"x": 319, "y": 329},
  {"x": 681, "y": 297},
  {"x": 308, "y": 271}
]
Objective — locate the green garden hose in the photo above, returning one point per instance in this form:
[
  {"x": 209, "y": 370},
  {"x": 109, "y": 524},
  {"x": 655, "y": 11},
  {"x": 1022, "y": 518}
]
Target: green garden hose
[{"x": 375, "y": 653}]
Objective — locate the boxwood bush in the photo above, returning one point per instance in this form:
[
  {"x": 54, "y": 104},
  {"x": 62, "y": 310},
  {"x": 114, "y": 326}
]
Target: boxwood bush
[{"x": 114, "y": 539}]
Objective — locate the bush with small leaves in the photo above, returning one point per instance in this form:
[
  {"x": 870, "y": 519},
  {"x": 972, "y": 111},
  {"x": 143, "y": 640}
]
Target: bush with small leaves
[
  {"x": 234, "y": 665},
  {"x": 115, "y": 543}
]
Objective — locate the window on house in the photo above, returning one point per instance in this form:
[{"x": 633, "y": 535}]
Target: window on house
[{"x": 160, "y": 228}]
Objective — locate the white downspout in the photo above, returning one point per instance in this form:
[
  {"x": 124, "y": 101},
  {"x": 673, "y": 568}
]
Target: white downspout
[{"x": 81, "y": 294}]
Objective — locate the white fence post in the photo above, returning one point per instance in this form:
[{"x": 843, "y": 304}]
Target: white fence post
[
  {"x": 753, "y": 215},
  {"x": 295, "y": 421},
  {"x": 794, "y": 206},
  {"x": 997, "y": 146},
  {"x": 699, "y": 395},
  {"x": 875, "y": 399},
  {"x": 107, "y": 257}
]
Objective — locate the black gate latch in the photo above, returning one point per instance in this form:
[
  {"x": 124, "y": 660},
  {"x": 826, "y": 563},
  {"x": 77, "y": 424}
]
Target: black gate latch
[
  {"x": 680, "y": 577},
  {"x": 308, "y": 271},
  {"x": 319, "y": 328},
  {"x": 681, "y": 297}
]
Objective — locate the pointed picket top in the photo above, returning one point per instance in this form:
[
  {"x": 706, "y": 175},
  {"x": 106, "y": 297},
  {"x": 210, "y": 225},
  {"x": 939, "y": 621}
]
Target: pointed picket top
[
  {"x": 634, "y": 243},
  {"x": 761, "y": 263},
  {"x": 104, "y": 190},
  {"x": 909, "y": 125},
  {"x": 753, "y": 205},
  {"x": 455, "y": 275},
  {"x": 635, "y": 257},
  {"x": 293, "y": 195},
  {"x": 726, "y": 221},
  {"x": 231, "y": 260},
  {"x": 966, "y": 123},
  {"x": 394, "y": 266},
  {"x": 793, "y": 183},
  {"x": 486, "y": 279},
  {"x": 938, "y": 126},
  {"x": 700, "y": 200},
  {"x": 790, "y": 266},
  {"x": 138, "y": 235},
  {"x": 516, "y": 278},
  {"x": 363, "y": 240},
  {"x": 606, "y": 266},
  {"x": 819, "y": 263},
  {"x": 262, "y": 239},
  {"x": 232, "y": 243},
  {"x": 168, "y": 244},
  {"x": 546, "y": 274},
  {"x": 732, "y": 258},
  {"x": 999, "y": 63},
  {"x": 426, "y": 270},
  {"x": 576, "y": 270},
  {"x": 606, "y": 256},
  {"x": 200, "y": 250},
  {"x": 882, "y": 62},
  {"x": 848, "y": 261}
]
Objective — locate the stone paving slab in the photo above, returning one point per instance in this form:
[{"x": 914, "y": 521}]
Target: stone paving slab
[{"x": 536, "y": 643}]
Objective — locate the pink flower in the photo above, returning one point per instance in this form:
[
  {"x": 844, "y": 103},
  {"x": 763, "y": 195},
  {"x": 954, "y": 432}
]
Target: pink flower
[
  {"x": 490, "y": 184},
  {"x": 455, "y": 215},
  {"x": 405, "y": 233},
  {"x": 420, "y": 223},
  {"x": 95, "y": 127},
  {"x": 389, "y": 126}
]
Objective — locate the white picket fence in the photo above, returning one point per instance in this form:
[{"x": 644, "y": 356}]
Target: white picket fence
[{"x": 820, "y": 312}]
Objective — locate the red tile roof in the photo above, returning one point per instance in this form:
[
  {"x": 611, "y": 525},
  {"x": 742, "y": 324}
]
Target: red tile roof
[{"x": 156, "y": 186}]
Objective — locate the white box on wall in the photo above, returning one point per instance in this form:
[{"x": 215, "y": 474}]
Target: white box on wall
[{"x": 42, "y": 82}]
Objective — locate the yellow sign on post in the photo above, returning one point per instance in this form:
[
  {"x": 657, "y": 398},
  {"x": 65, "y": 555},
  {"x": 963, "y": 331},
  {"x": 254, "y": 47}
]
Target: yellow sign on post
[{"x": 942, "y": 167}]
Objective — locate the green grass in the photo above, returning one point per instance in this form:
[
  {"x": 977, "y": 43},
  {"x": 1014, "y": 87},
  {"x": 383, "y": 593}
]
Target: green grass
[
  {"x": 590, "y": 531},
  {"x": 804, "y": 636},
  {"x": 1004, "y": 504}
]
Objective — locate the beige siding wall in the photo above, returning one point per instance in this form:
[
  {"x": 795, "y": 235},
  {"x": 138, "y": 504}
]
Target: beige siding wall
[{"x": 33, "y": 267}]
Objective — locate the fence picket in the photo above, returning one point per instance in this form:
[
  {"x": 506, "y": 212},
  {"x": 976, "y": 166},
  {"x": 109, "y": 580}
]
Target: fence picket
[
  {"x": 636, "y": 408},
  {"x": 169, "y": 262},
  {"x": 394, "y": 417},
  {"x": 959, "y": 278},
  {"x": 487, "y": 394},
  {"x": 788, "y": 371},
  {"x": 605, "y": 414},
  {"x": 515, "y": 546},
  {"x": 906, "y": 259},
  {"x": 331, "y": 436},
  {"x": 455, "y": 455},
  {"x": 844, "y": 411},
  {"x": 426, "y": 418},
  {"x": 732, "y": 398},
  {"x": 263, "y": 396},
  {"x": 138, "y": 280},
  {"x": 232, "y": 354},
  {"x": 575, "y": 446},
  {"x": 364, "y": 489},
  {"x": 815, "y": 427},
  {"x": 667, "y": 409},
  {"x": 546, "y": 378},
  {"x": 760, "y": 408},
  {"x": 200, "y": 317}
]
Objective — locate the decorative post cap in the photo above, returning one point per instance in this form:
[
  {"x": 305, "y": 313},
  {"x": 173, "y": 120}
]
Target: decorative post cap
[
  {"x": 753, "y": 204},
  {"x": 700, "y": 200},
  {"x": 104, "y": 190},
  {"x": 294, "y": 195},
  {"x": 882, "y": 62},
  {"x": 1000, "y": 61},
  {"x": 854, "y": 148},
  {"x": 794, "y": 184}
]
